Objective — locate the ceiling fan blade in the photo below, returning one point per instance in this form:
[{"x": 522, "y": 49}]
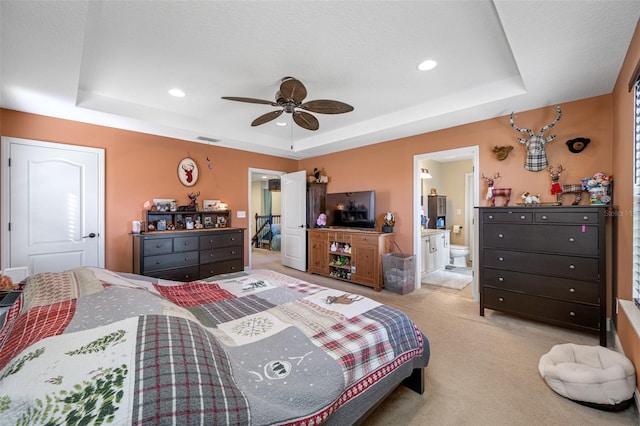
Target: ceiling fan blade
[
  {"x": 249, "y": 100},
  {"x": 326, "y": 106},
  {"x": 290, "y": 88},
  {"x": 306, "y": 120},
  {"x": 265, "y": 118}
]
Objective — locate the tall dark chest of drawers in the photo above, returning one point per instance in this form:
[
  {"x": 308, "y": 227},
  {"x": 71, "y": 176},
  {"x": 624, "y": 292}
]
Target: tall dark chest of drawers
[
  {"x": 546, "y": 264},
  {"x": 189, "y": 255}
]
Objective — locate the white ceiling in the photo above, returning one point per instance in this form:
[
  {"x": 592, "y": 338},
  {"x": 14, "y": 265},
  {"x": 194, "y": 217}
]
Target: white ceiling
[{"x": 112, "y": 63}]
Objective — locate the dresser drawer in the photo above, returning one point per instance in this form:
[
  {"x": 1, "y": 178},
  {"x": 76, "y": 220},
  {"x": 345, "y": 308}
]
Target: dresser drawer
[
  {"x": 547, "y": 310},
  {"x": 185, "y": 243},
  {"x": 564, "y": 239},
  {"x": 588, "y": 217},
  {"x": 181, "y": 274},
  {"x": 509, "y": 216},
  {"x": 364, "y": 239},
  {"x": 223, "y": 253},
  {"x": 340, "y": 237},
  {"x": 158, "y": 246},
  {"x": 225, "y": 267},
  {"x": 223, "y": 239},
  {"x": 539, "y": 285},
  {"x": 576, "y": 268},
  {"x": 167, "y": 261}
]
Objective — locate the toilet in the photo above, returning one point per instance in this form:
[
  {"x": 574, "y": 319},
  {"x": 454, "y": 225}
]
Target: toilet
[{"x": 458, "y": 255}]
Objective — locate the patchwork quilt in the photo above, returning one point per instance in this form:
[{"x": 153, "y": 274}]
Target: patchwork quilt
[{"x": 92, "y": 346}]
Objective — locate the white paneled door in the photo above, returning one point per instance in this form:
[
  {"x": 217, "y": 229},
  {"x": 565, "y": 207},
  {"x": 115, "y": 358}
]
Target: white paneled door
[
  {"x": 54, "y": 220},
  {"x": 293, "y": 250}
]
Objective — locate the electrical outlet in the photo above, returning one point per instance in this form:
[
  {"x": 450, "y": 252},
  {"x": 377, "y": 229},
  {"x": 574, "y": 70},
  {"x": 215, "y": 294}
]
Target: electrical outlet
[{"x": 241, "y": 214}]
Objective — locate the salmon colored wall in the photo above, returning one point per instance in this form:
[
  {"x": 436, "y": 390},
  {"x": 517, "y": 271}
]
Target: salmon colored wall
[
  {"x": 140, "y": 167},
  {"x": 388, "y": 167},
  {"x": 623, "y": 135}
]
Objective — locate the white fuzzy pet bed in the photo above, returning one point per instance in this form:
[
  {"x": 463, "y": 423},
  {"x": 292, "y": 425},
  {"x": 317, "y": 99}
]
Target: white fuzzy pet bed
[{"x": 590, "y": 375}]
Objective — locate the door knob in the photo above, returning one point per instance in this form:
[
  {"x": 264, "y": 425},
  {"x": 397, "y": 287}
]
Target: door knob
[{"x": 91, "y": 235}]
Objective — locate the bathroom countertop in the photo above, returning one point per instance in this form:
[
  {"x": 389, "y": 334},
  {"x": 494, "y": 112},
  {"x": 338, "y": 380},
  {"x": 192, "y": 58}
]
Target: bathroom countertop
[{"x": 426, "y": 232}]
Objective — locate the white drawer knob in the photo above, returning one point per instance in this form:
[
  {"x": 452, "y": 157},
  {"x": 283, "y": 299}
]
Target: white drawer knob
[
  {"x": 523, "y": 217},
  {"x": 544, "y": 217},
  {"x": 572, "y": 314},
  {"x": 500, "y": 299},
  {"x": 490, "y": 216},
  {"x": 500, "y": 279},
  {"x": 572, "y": 240},
  {"x": 572, "y": 290},
  {"x": 585, "y": 217},
  {"x": 501, "y": 259},
  {"x": 500, "y": 235},
  {"x": 572, "y": 266}
]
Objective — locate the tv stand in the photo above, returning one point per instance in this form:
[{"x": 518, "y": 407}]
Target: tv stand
[{"x": 349, "y": 254}]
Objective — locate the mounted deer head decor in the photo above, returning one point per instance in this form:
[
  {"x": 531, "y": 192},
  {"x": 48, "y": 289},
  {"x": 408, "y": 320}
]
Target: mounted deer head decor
[
  {"x": 492, "y": 192},
  {"x": 502, "y": 152},
  {"x": 536, "y": 153}
]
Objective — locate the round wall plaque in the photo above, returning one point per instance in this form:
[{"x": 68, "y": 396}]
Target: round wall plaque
[{"x": 188, "y": 171}]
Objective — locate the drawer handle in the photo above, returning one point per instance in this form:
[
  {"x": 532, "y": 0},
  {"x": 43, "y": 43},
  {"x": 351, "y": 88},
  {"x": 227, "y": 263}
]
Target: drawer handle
[
  {"x": 233, "y": 238},
  {"x": 233, "y": 252},
  {"x": 158, "y": 262},
  {"x": 186, "y": 243},
  {"x": 572, "y": 290},
  {"x": 523, "y": 217},
  {"x": 186, "y": 258},
  {"x": 544, "y": 217},
  {"x": 158, "y": 246},
  {"x": 500, "y": 235},
  {"x": 585, "y": 217},
  {"x": 572, "y": 240},
  {"x": 572, "y": 314},
  {"x": 490, "y": 216},
  {"x": 501, "y": 259},
  {"x": 572, "y": 266},
  {"x": 187, "y": 276},
  {"x": 500, "y": 279},
  {"x": 210, "y": 254},
  {"x": 500, "y": 299}
]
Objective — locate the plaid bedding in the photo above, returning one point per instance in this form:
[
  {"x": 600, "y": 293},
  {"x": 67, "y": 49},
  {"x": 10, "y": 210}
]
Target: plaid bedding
[{"x": 91, "y": 346}]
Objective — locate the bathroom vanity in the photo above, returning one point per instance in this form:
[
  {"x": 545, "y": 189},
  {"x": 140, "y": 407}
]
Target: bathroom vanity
[{"x": 435, "y": 250}]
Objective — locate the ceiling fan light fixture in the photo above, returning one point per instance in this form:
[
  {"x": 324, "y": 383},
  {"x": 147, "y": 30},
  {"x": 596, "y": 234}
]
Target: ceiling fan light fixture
[
  {"x": 427, "y": 65},
  {"x": 177, "y": 93},
  {"x": 281, "y": 123},
  {"x": 424, "y": 174}
]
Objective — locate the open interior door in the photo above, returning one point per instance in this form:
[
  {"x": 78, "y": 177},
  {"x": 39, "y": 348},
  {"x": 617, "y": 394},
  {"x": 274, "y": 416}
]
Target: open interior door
[{"x": 293, "y": 248}]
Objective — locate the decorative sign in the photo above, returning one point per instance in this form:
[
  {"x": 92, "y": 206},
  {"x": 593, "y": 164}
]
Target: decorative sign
[{"x": 188, "y": 171}]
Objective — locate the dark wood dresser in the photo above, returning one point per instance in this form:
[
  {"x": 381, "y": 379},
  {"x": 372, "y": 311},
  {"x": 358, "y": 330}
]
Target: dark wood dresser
[
  {"x": 188, "y": 255},
  {"x": 546, "y": 264}
]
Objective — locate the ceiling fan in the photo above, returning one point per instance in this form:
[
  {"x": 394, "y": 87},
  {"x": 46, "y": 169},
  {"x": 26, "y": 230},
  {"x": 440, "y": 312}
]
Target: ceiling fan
[{"x": 289, "y": 98}]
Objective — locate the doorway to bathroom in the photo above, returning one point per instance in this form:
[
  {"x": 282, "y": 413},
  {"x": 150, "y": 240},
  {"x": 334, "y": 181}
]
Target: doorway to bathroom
[{"x": 451, "y": 177}]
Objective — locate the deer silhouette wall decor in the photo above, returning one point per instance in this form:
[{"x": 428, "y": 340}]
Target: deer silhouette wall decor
[
  {"x": 492, "y": 192},
  {"x": 536, "y": 144},
  {"x": 559, "y": 190}
]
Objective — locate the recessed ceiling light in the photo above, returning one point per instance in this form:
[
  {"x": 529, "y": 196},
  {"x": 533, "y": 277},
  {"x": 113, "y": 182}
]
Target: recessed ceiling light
[
  {"x": 281, "y": 123},
  {"x": 177, "y": 93},
  {"x": 427, "y": 65}
]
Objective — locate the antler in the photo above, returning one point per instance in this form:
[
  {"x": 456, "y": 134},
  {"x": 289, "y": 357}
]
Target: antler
[
  {"x": 513, "y": 124},
  {"x": 559, "y": 171},
  {"x": 488, "y": 179},
  {"x": 553, "y": 123}
]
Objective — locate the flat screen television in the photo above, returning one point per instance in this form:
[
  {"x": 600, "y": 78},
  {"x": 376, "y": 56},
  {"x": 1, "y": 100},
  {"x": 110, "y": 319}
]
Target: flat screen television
[{"x": 352, "y": 209}]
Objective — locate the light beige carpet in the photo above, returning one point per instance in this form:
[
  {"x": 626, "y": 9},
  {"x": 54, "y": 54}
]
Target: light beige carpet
[{"x": 483, "y": 370}]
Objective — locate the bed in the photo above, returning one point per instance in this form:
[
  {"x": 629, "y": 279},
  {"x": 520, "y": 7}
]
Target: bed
[{"x": 92, "y": 346}]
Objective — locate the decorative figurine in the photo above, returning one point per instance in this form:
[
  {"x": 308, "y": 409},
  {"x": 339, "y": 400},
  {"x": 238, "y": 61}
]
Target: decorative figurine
[
  {"x": 530, "y": 199},
  {"x": 558, "y": 190},
  {"x": 502, "y": 152},
  {"x": 492, "y": 192}
]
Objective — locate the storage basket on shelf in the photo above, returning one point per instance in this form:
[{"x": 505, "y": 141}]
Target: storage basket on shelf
[{"x": 399, "y": 272}]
